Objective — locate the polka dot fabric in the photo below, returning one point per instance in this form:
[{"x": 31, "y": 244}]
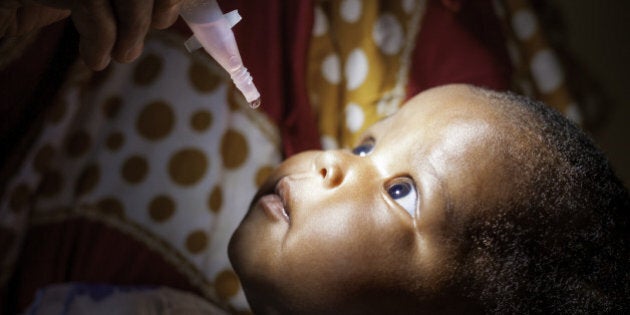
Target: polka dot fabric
[
  {"x": 164, "y": 149},
  {"x": 359, "y": 59},
  {"x": 537, "y": 71}
]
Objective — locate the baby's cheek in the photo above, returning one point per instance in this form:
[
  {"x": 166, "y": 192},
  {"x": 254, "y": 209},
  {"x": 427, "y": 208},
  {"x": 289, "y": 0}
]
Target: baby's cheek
[{"x": 439, "y": 258}]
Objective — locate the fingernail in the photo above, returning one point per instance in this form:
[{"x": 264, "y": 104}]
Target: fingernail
[
  {"x": 103, "y": 63},
  {"x": 133, "y": 53},
  {"x": 91, "y": 59}
]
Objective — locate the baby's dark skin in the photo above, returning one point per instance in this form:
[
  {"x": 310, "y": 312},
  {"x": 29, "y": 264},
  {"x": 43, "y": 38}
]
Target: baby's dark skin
[{"x": 378, "y": 229}]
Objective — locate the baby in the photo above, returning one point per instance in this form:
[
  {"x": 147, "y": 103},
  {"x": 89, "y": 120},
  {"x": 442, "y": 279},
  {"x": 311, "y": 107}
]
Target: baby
[{"x": 464, "y": 201}]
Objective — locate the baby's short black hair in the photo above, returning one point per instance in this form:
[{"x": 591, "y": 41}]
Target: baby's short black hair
[{"x": 560, "y": 243}]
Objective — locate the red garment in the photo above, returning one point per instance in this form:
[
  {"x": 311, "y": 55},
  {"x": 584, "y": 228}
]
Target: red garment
[{"x": 464, "y": 46}]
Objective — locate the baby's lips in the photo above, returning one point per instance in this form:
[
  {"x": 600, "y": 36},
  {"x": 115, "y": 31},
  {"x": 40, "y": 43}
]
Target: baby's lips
[{"x": 273, "y": 207}]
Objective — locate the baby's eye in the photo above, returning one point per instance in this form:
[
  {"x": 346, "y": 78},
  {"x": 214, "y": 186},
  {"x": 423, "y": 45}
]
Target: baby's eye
[
  {"x": 364, "y": 148},
  {"x": 403, "y": 191}
]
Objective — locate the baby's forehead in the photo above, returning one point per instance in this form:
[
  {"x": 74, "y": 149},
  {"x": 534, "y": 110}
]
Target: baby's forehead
[
  {"x": 442, "y": 111},
  {"x": 458, "y": 101},
  {"x": 464, "y": 135}
]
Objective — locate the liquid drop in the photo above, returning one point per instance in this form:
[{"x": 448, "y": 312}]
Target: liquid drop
[{"x": 255, "y": 103}]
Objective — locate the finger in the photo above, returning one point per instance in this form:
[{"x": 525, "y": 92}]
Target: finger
[
  {"x": 165, "y": 13},
  {"x": 96, "y": 26},
  {"x": 134, "y": 20}
]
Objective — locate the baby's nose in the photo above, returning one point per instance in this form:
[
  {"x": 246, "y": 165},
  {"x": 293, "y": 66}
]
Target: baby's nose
[{"x": 329, "y": 166}]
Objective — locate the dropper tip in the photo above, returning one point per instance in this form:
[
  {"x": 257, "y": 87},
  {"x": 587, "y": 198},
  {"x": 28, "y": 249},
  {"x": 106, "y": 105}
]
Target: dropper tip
[{"x": 255, "y": 103}]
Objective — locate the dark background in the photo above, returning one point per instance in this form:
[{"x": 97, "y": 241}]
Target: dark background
[{"x": 597, "y": 34}]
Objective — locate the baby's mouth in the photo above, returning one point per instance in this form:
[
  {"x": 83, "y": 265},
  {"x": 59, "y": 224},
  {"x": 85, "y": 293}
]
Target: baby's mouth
[
  {"x": 275, "y": 203},
  {"x": 273, "y": 206}
]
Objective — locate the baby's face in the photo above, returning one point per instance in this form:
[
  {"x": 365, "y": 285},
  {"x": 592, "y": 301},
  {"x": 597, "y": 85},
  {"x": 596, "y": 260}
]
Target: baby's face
[{"x": 331, "y": 230}]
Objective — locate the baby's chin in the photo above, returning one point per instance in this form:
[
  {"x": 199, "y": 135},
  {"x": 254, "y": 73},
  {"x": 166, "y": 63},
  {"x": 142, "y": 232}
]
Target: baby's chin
[
  {"x": 240, "y": 247},
  {"x": 254, "y": 245}
]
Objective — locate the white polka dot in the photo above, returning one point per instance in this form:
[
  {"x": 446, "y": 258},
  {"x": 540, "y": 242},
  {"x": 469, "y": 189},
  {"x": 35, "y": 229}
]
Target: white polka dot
[
  {"x": 546, "y": 71},
  {"x": 356, "y": 69},
  {"x": 408, "y": 5},
  {"x": 329, "y": 143},
  {"x": 572, "y": 112},
  {"x": 320, "y": 23},
  {"x": 354, "y": 117},
  {"x": 351, "y": 10},
  {"x": 331, "y": 69},
  {"x": 388, "y": 34},
  {"x": 524, "y": 24}
]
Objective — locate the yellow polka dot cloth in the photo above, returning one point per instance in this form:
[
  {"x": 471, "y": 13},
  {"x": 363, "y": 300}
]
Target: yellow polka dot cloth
[
  {"x": 537, "y": 71},
  {"x": 359, "y": 60},
  {"x": 161, "y": 149}
]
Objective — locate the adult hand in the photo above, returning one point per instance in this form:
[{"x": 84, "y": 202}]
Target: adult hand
[{"x": 108, "y": 29}]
